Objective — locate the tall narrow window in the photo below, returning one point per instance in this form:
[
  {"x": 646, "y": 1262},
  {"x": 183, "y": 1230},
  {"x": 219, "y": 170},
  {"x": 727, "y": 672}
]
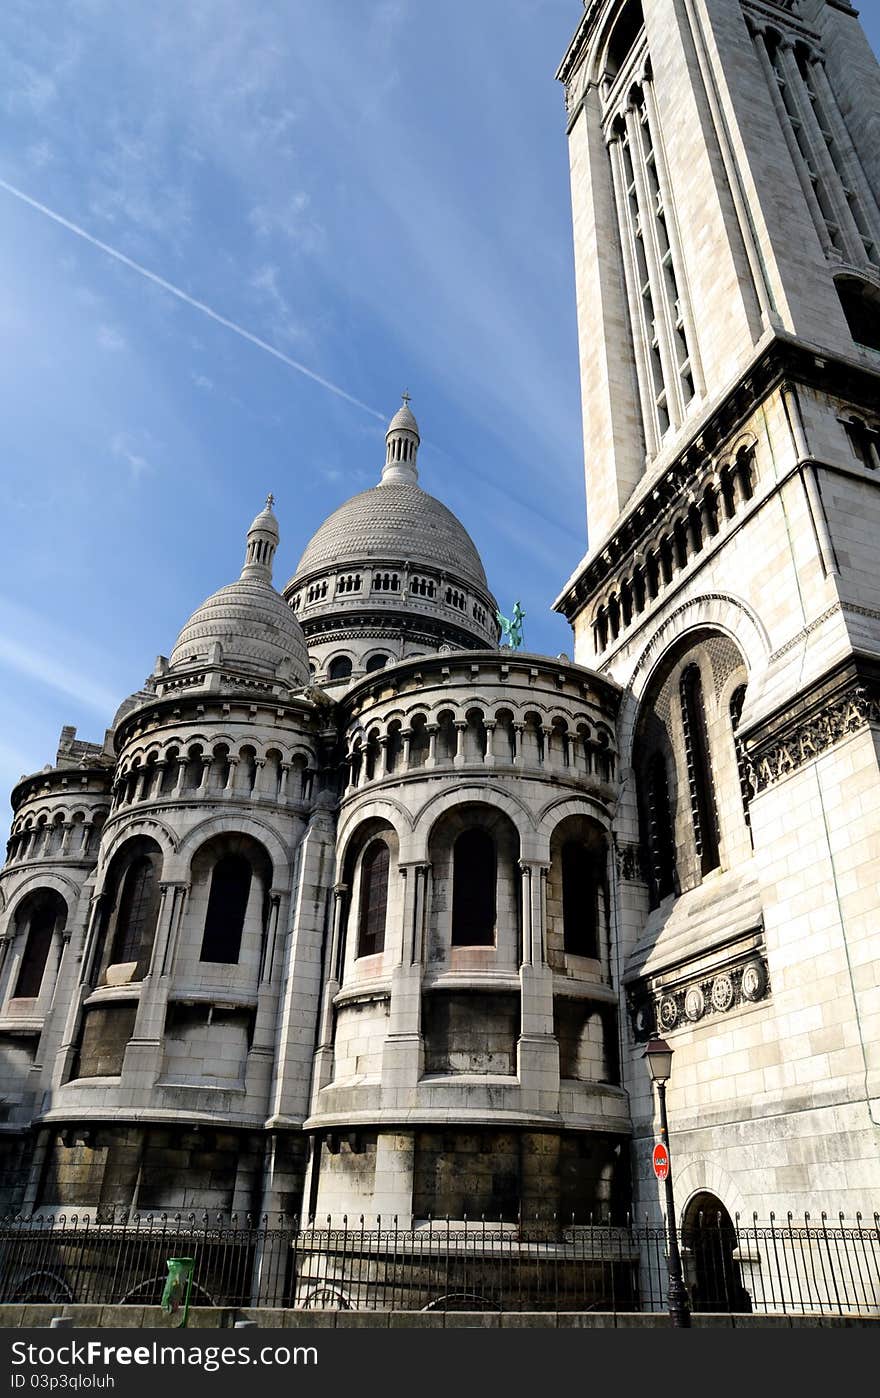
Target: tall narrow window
[
  {"x": 654, "y": 281},
  {"x": 227, "y": 905},
  {"x": 699, "y": 769},
  {"x": 660, "y": 834},
  {"x": 473, "y": 890},
  {"x": 138, "y": 909},
  {"x": 374, "y": 899},
  {"x": 41, "y": 925},
  {"x": 737, "y": 699},
  {"x": 581, "y": 881}
]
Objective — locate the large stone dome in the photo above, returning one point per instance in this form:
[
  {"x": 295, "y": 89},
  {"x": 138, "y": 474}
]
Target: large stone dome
[
  {"x": 248, "y": 620},
  {"x": 394, "y": 521}
]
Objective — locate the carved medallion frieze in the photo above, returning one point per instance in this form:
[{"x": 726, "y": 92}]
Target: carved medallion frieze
[{"x": 694, "y": 1001}]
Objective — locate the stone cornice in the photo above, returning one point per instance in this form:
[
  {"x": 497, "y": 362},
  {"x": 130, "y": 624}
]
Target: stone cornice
[
  {"x": 684, "y": 997},
  {"x": 197, "y": 704},
  {"x": 844, "y": 701},
  {"x": 62, "y": 780},
  {"x": 655, "y": 498},
  {"x": 487, "y": 666}
]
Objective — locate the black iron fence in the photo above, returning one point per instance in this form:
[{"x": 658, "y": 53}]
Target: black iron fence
[{"x": 795, "y": 1266}]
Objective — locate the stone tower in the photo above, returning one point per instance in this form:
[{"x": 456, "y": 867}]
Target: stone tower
[{"x": 725, "y": 168}]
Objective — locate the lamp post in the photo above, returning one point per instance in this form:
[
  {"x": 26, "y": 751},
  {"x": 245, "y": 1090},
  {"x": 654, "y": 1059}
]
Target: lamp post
[{"x": 659, "y": 1058}]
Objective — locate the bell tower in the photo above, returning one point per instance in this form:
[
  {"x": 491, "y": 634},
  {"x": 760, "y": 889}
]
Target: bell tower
[{"x": 725, "y": 175}]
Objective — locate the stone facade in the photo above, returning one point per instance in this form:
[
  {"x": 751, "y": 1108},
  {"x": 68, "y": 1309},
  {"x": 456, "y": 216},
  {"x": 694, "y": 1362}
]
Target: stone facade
[
  {"x": 731, "y": 586},
  {"x": 355, "y": 912}
]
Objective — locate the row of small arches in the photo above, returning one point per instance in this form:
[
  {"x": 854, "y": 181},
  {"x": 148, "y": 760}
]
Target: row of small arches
[
  {"x": 186, "y": 769},
  {"x": 64, "y": 834},
  {"x": 499, "y": 739},
  {"x": 415, "y": 586},
  {"x": 672, "y": 550}
]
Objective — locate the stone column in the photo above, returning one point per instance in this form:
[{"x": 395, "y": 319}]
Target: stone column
[
  {"x": 65, "y": 838},
  {"x": 403, "y": 1053},
  {"x": 231, "y": 774},
  {"x": 267, "y": 959},
  {"x": 537, "y": 1050},
  {"x": 143, "y": 1054},
  {"x": 432, "y": 730},
  {"x": 157, "y": 783},
  {"x": 518, "y": 730},
  {"x": 489, "y": 758},
  {"x": 257, "y": 788},
  {"x": 406, "y": 735},
  {"x": 282, "y": 784},
  {"x": 853, "y": 247},
  {"x": 460, "y": 727},
  {"x": 793, "y": 149},
  {"x": 324, "y": 1053},
  {"x": 181, "y": 774},
  {"x": 856, "y": 176}
]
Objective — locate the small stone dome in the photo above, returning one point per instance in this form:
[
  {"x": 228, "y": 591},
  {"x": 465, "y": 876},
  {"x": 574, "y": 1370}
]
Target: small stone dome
[{"x": 251, "y": 623}]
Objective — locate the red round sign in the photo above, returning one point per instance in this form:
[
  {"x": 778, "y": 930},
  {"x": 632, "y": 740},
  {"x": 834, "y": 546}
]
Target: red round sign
[{"x": 660, "y": 1160}]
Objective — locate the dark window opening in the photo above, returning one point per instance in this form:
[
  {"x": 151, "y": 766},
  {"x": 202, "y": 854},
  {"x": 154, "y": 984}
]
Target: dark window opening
[
  {"x": 374, "y": 899},
  {"x": 36, "y": 952},
  {"x": 340, "y": 668},
  {"x": 626, "y": 31},
  {"x": 581, "y": 882},
  {"x": 138, "y": 907},
  {"x": 376, "y": 662},
  {"x": 473, "y": 890},
  {"x": 737, "y": 699},
  {"x": 699, "y": 770},
  {"x": 861, "y": 306},
  {"x": 227, "y": 905},
  {"x": 660, "y": 835}
]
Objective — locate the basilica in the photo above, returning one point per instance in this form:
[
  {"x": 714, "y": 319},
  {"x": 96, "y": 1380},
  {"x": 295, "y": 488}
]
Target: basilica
[{"x": 357, "y": 911}]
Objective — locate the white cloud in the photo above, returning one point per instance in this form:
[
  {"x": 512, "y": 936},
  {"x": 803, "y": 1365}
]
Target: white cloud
[
  {"x": 52, "y": 670},
  {"x": 129, "y": 448},
  {"x": 109, "y": 338},
  {"x": 202, "y": 381}
]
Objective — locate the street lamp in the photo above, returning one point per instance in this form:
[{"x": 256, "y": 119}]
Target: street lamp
[{"x": 659, "y": 1058}]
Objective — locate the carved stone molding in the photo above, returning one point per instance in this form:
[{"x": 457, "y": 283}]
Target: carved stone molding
[
  {"x": 846, "y": 712},
  {"x": 691, "y": 1000},
  {"x": 630, "y": 862}
]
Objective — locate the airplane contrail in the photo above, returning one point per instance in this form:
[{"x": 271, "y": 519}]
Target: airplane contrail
[{"x": 189, "y": 300}]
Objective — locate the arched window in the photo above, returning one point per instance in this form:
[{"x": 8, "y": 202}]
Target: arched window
[
  {"x": 737, "y": 699},
  {"x": 339, "y": 669},
  {"x": 138, "y": 908},
  {"x": 473, "y": 890},
  {"x": 660, "y": 836},
  {"x": 376, "y": 662},
  {"x": 374, "y": 899},
  {"x": 41, "y": 924},
  {"x": 581, "y": 881},
  {"x": 699, "y": 769},
  {"x": 860, "y": 303},
  {"x": 227, "y": 905}
]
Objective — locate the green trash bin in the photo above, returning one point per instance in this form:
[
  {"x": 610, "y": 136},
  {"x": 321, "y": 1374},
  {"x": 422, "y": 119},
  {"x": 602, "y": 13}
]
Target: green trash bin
[{"x": 178, "y": 1287}]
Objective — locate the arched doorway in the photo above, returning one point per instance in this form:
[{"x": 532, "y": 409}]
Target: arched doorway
[{"x": 709, "y": 1241}]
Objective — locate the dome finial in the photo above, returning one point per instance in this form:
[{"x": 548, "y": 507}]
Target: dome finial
[
  {"x": 262, "y": 541},
  {"x": 401, "y": 446}
]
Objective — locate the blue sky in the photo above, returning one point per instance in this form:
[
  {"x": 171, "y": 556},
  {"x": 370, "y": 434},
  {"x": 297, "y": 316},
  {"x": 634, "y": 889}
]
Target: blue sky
[{"x": 380, "y": 191}]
